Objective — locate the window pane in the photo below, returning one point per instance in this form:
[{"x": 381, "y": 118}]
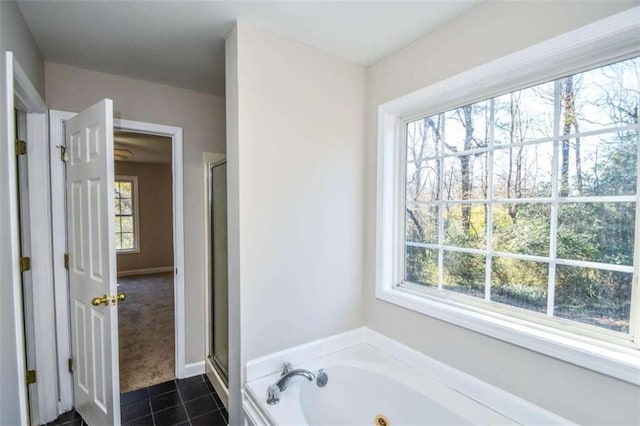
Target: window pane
[
  {"x": 523, "y": 171},
  {"x": 524, "y": 115},
  {"x": 422, "y": 224},
  {"x": 126, "y": 223},
  {"x": 467, "y": 127},
  {"x": 603, "y": 97},
  {"x": 127, "y": 241},
  {"x": 597, "y": 232},
  {"x": 599, "y": 165},
  {"x": 422, "y": 180},
  {"x": 520, "y": 283},
  {"x": 592, "y": 296},
  {"x": 465, "y": 177},
  {"x": 464, "y": 273},
  {"x": 424, "y": 137},
  {"x": 125, "y": 189},
  {"x": 465, "y": 225},
  {"x": 448, "y": 183},
  {"x": 126, "y": 207},
  {"x": 521, "y": 228},
  {"x": 421, "y": 265}
]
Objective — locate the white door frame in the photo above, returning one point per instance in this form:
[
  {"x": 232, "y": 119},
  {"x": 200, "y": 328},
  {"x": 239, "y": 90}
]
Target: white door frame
[
  {"x": 22, "y": 94},
  {"x": 57, "y": 119}
]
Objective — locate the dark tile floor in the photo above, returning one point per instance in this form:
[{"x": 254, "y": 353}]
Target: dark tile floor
[{"x": 191, "y": 401}]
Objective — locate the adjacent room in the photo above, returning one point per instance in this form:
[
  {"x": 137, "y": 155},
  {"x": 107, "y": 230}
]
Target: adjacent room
[{"x": 144, "y": 247}]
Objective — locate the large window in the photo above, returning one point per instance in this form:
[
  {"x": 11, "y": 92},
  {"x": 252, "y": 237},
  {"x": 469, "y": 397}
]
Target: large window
[
  {"x": 507, "y": 198},
  {"x": 126, "y": 208},
  {"x": 529, "y": 199}
]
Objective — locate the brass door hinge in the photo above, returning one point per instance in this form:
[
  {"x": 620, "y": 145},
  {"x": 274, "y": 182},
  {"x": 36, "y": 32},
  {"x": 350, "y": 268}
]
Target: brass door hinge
[
  {"x": 31, "y": 376},
  {"x": 63, "y": 152},
  {"x": 66, "y": 261},
  {"x": 21, "y": 147},
  {"x": 70, "y": 365},
  {"x": 25, "y": 264}
]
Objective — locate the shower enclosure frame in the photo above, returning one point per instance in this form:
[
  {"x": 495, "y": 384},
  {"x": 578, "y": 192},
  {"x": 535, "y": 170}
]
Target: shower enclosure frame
[{"x": 212, "y": 370}]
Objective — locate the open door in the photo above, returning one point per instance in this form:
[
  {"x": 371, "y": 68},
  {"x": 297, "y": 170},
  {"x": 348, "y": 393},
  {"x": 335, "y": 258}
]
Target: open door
[{"x": 92, "y": 264}]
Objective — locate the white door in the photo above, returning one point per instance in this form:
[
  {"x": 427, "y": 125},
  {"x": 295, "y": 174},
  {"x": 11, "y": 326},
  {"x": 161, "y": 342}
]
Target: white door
[{"x": 92, "y": 264}]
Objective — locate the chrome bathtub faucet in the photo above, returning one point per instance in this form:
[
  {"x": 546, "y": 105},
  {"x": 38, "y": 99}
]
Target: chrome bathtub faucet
[{"x": 273, "y": 391}]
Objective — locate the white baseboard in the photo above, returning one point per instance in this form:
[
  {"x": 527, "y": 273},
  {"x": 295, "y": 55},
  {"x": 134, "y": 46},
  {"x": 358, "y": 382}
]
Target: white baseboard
[
  {"x": 193, "y": 369},
  {"x": 145, "y": 271}
]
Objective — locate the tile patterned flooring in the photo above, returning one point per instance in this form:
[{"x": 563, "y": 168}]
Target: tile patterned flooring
[{"x": 191, "y": 401}]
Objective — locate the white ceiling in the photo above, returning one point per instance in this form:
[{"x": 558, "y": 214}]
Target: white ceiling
[
  {"x": 144, "y": 148},
  {"x": 181, "y": 43}
]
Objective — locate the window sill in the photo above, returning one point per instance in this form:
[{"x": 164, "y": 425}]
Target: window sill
[
  {"x": 132, "y": 251},
  {"x": 613, "y": 360}
]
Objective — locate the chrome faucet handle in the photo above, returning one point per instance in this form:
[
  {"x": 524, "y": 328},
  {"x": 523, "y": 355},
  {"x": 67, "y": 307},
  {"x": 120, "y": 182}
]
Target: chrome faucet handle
[
  {"x": 286, "y": 367},
  {"x": 273, "y": 394}
]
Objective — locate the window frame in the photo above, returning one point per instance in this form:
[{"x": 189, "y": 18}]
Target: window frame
[
  {"x": 609, "y": 40},
  {"x": 135, "y": 213}
]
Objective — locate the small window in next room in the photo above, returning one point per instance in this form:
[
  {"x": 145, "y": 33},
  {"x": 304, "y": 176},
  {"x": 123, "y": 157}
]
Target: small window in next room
[
  {"x": 126, "y": 211},
  {"x": 528, "y": 200}
]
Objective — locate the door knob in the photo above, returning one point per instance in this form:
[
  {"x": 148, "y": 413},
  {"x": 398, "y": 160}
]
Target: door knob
[
  {"x": 97, "y": 301},
  {"x": 119, "y": 298}
]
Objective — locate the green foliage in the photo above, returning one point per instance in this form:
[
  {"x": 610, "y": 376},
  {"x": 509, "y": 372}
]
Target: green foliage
[{"x": 599, "y": 232}]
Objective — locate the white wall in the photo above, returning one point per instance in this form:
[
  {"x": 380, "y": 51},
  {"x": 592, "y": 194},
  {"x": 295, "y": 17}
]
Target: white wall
[
  {"x": 295, "y": 161},
  {"x": 14, "y": 36},
  {"x": 236, "y": 365},
  {"x": 202, "y": 118},
  {"x": 487, "y": 32}
]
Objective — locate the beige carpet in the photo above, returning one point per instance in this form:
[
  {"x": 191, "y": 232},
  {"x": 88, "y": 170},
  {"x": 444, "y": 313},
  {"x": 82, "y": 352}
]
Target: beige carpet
[{"x": 146, "y": 331}]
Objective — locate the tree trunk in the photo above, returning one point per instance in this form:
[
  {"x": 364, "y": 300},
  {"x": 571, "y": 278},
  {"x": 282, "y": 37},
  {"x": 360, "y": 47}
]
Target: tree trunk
[
  {"x": 568, "y": 105},
  {"x": 578, "y": 159},
  {"x": 465, "y": 168},
  {"x": 511, "y": 208}
]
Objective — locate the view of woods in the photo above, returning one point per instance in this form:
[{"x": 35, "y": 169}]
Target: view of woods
[
  {"x": 529, "y": 198},
  {"x": 124, "y": 215}
]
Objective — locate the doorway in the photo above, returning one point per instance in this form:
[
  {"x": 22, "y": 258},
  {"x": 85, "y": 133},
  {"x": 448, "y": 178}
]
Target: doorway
[
  {"x": 175, "y": 279},
  {"x": 22, "y": 176},
  {"x": 24, "y": 114},
  {"x": 144, "y": 248}
]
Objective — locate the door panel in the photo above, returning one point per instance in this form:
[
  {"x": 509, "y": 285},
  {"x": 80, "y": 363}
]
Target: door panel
[
  {"x": 219, "y": 273},
  {"x": 92, "y": 263}
]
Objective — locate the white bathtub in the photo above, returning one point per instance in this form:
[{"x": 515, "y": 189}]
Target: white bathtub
[
  {"x": 365, "y": 382},
  {"x": 358, "y": 394}
]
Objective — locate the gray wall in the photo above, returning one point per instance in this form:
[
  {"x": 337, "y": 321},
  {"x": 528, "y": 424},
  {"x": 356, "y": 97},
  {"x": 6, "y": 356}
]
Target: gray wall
[
  {"x": 295, "y": 162},
  {"x": 155, "y": 209},
  {"x": 202, "y": 118},
  {"x": 14, "y": 36},
  {"x": 490, "y": 31}
]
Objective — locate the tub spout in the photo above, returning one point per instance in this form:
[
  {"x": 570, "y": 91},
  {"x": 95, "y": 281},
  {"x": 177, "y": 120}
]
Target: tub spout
[
  {"x": 273, "y": 391},
  {"x": 286, "y": 377}
]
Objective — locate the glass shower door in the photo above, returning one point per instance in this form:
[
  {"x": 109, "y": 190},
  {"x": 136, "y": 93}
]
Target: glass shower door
[{"x": 219, "y": 339}]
